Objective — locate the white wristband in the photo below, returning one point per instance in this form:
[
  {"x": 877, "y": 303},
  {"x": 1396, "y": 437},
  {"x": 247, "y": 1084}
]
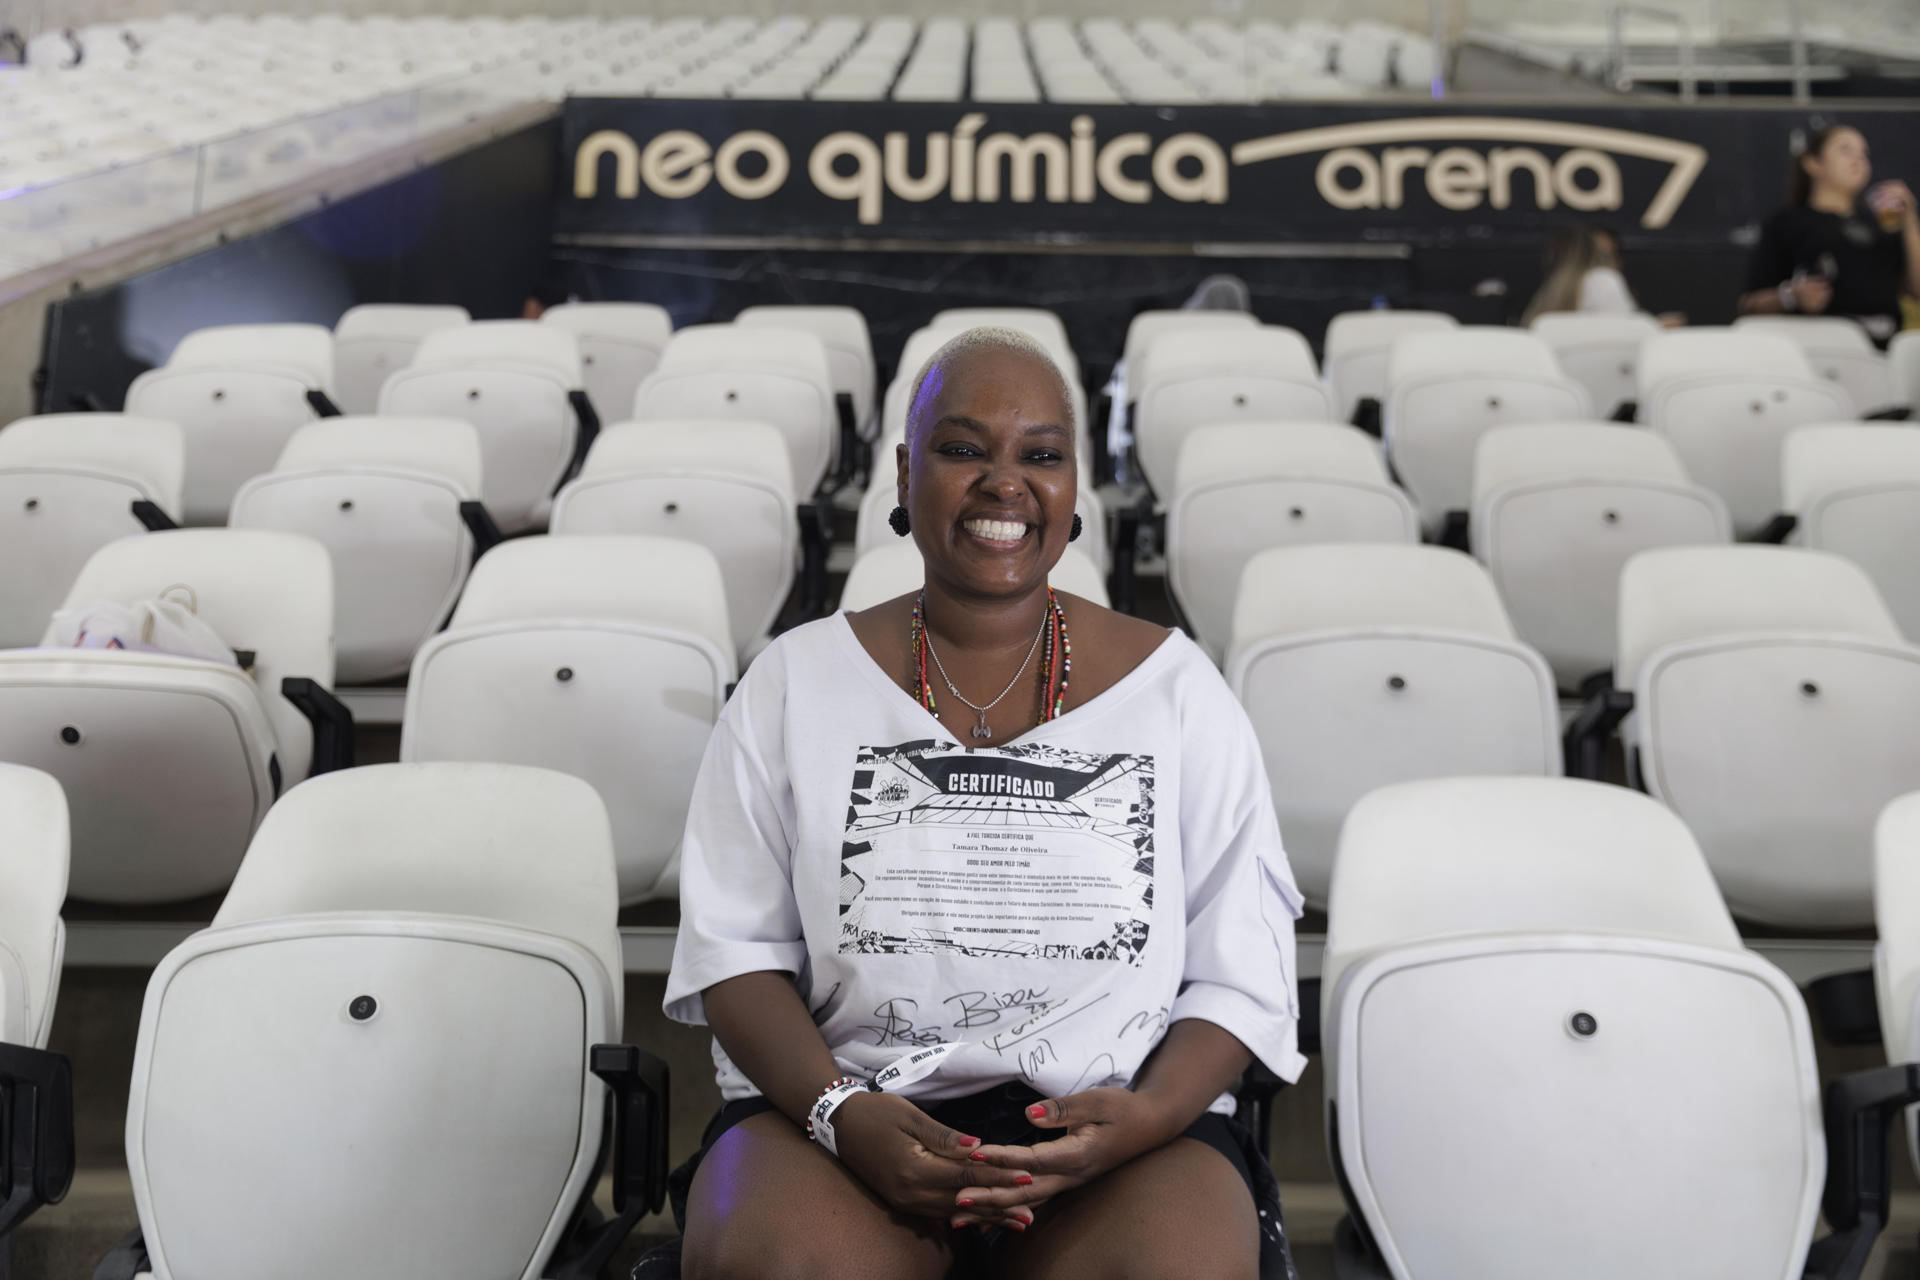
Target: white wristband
[{"x": 820, "y": 1115}]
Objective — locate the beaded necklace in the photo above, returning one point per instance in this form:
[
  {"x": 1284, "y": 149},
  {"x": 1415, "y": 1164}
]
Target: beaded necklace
[{"x": 1056, "y": 664}]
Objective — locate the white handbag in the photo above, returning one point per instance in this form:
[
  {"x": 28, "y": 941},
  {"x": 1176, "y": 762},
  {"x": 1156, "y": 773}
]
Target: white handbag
[{"x": 164, "y": 625}]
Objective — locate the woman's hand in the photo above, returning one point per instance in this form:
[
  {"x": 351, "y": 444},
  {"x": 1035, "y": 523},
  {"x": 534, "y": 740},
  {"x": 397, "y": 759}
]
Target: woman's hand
[
  {"x": 1811, "y": 294},
  {"x": 1101, "y": 1129},
  {"x": 921, "y": 1167}
]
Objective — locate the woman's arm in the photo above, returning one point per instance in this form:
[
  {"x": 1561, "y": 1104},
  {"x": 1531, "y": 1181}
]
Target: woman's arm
[{"x": 761, "y": 1022}]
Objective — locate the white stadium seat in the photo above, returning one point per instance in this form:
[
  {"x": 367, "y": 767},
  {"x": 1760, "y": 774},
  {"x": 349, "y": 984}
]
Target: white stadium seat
[
  {"x": 1147, "y": 327},
  {"x": 1247, "y": 487},
  {"x": 1547, "y": 1052},
  {"x": 385, "y": 497},
  {"x": 895, "y": 570},
  {"x": 411, "y": 985},
  {"x": 1559, "y": 508},
  {"x": 776, "y": 376},
  {"x": 849, "y": 348},
  {"x": 519, "y": 383},
  {"x": 724, "y": 485},
  {"x": 237, "y": 392},
  {"x": 607, "y": 657},
  {"x": 1903, "y": 359},
  {"x": 376, "y": 340},
  {"x": 1600, "y": 352},
  {"x": 1727, "y": 399},
  {"x": 1773, "y": 706},
  {"x": 33, "y": 871},
  {"x": 1447, "y": 388},
  {"x": 1896, "y": 955},
  {"x": 169, "y": 762},
  {"x": 620, "y": 344},
  {"x": 1366, "y": 664},
  {"x": 1839, "y": 351},
  {"x": 68, "y": 485},
  {"x": 1854, "y": 490},
  {"x": 1357, "y": 346},
  {"x": 1189, "y": 380}
]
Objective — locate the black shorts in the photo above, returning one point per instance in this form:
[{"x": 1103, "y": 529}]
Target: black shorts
[{"x": 998, "y": 1117}]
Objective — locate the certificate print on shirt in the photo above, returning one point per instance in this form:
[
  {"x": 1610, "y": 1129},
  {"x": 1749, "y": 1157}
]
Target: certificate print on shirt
[{"x": 1027, "y": 851}]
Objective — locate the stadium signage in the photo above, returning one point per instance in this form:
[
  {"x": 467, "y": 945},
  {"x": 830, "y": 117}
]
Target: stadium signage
[{"x": 647, "y": 168}]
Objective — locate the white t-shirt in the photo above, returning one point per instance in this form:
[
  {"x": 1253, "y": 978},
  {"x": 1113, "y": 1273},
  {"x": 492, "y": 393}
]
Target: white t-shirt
[{"x": 1054, "y": 904}]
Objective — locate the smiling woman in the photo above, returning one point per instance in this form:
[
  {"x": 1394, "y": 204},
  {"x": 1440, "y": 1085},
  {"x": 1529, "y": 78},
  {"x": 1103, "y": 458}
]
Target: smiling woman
[{"x": 980, "y": 1010}]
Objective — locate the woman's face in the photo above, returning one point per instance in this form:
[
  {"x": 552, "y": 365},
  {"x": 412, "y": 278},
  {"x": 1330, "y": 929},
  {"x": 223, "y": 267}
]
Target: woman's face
[
  {"x": 987, "y": 474},
  {"x": 1843, "y": 163}
]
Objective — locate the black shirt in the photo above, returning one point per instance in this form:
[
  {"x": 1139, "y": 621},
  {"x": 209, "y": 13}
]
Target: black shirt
[{"x": 1865, "y": 265}]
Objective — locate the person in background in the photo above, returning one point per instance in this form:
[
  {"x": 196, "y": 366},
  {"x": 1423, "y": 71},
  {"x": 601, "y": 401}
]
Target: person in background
[
  {"x": 1583, "y": 274},
  {"x": 1841, "y": 246}
]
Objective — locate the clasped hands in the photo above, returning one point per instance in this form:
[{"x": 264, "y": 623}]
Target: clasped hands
[{"x": 922, "y": 1167}]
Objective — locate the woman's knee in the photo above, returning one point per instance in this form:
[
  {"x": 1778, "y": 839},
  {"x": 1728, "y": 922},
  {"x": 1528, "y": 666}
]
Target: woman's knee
[{"x": 757, "y": 1254}]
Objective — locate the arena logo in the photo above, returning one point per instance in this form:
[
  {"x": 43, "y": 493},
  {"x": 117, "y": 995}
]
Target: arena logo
[
  {"x": 1584, "y": 176},
  {"x": 961, "y": 165}
]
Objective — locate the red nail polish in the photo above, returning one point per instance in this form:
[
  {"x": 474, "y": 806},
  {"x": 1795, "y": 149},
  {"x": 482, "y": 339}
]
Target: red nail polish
[
  {"x": 977, "y": 1156},
  {"x": 1016, "y": 1224},
  {"x": 1024, "y": 1180},
  {"x": 1037, "y": 1112},
  {"x": 964, "y": 1204},
  {"x": 969, "y": 1143}
]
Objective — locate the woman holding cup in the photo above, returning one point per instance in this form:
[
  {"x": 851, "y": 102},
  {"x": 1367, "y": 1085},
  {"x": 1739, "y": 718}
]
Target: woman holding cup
[{"x": 1844, "y": 245}]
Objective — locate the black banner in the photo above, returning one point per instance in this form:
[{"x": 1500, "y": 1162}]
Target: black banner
[{"x": 637, "y": 170}]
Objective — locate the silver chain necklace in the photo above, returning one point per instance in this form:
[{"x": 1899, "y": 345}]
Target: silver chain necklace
[{"x": 979, "y": 730}]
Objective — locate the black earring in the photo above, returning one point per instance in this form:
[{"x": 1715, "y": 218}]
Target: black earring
[
  {"x": 1073, "y": 534},
  {"x": 898, "y": 519}
]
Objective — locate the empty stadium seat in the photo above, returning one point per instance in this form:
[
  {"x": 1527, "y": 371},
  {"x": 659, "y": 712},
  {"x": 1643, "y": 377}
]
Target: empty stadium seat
[
  {"x": 1854, "y": 489},
  {"x": 170, "y": 762},
  {"x": 1447, "y": 388},
  {"x": 777, "y": 376},
  {"x": 69, "y": 484},
  {"x": 1727, "y": 399},
  {"x": 1896, "y": 954},
  {"x": 1839, "y": 351},
  {"x": 1547, "y": 1052},
  {"x": 237, "y": 392},
  {"x": 849, "y": 349},
  {"x": 724, "y": 485},
  {"x": 1903, "y": 361},
  {"x": 390, "y": 499},
  {"x": 620, "y": 344},
  {"x": 1600, "y": 352},
  {"x": 376, "y": 340},
  {"x": 36, "y": 1087},
  {"x": 885, "y": 572},
  {"x": 607, "y": 657},
  {"x": 1247, "y": 487},
  {"x": 1147, "y": 327},
  {"x": 1772, "y": 703},
  {"x": 1203, "y": 379},
  {"x": 1559, "y": 508},
  {"x": 1357, "y": 345},
  {"x": 1365, "y": 664},
  {"x": 408, "y": 993},
  {"x": 519, "y": 383}
]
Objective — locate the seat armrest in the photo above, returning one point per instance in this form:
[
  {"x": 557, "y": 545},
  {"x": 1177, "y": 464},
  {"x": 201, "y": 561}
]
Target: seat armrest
[
  {"x": 332, "y": 723},
  {"x": 1585, "y": 747},
  {"x": 1777, "y": 529},
  {"x": 151, "y": 517},
  {"x": 36, "y": 1121},
  {"x": 589, "y": 420},
  {"x": 637, "y": 1087},
  {"x": 322, "y": 404},
  {"x": 480, "y": 523},
  {"x": 816, "y": 540},
  {"x": 1859, "y": 1108}
]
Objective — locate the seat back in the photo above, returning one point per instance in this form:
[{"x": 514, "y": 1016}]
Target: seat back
[
  {"x": 1600, "y": 352},
  {"x": 1727, "y": 399},
  {"x": 234, "y": 420},
  {"x": 620, "y": 344},
  {"x": 1446, "y": 388},
  {"x": 1569, "y": 932},
  {"x": 1148, "y": 327},
  {"x": 1840, "y": 351},
  {"x": 606, "y": 657},
  {"x": 1190, "y": 380},
  {"x": 68, "y": 482},
  {"x": 1903, "y": 363},
  {"x": 849, "y": 347},
  {"x": 1356, "y": 352},
  {"x": 777, "y": 376},
  {"x": 1365, "y": 664},
  {"x": 511, "y": 381},
  {"x": 33, "y": 866},
  {"x": 373, "y": 341},
  {"x": 390, "y": 923},
  {"x": 1773, "y": 701},
  {"x": 1896, "y": 956},
  {"x": 1244, "y": 488},
  {"x": 896, "y": 569},
  {"x": 383, "y": 496},
  {"x": 303, "y": 348},
  {"x": 1559, "y": 508},
  {"x": 1856, "y": 490},
  {"x": 727, "y": 486}
]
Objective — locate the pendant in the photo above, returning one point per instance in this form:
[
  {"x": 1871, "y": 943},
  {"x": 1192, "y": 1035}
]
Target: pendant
[{"x": 980, "y": 730}]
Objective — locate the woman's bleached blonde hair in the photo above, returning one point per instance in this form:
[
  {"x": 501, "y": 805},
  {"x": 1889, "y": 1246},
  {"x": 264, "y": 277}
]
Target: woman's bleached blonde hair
[{"x": 981, "y": 340}]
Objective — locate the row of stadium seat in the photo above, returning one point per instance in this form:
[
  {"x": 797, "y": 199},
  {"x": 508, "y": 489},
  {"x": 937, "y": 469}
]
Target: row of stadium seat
[{"x": 1535, "y": 1014}]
